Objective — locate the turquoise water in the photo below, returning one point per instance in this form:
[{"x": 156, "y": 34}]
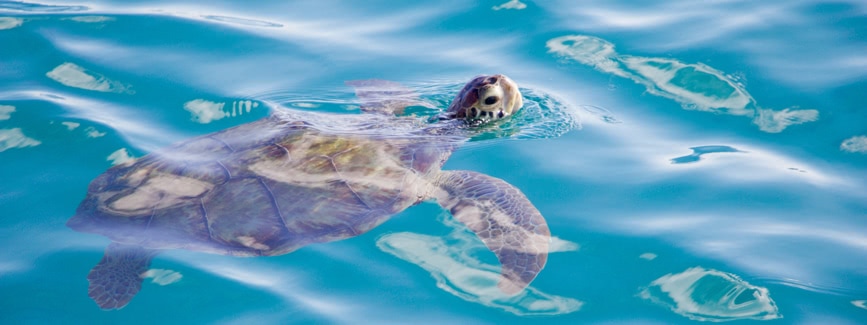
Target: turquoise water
[{"x": 695, "y": 161}]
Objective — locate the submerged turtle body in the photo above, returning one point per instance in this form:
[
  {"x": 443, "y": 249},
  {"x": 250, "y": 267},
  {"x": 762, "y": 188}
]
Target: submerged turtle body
[
  {"x": 241, "y": 192},
  {"x": 274, "y": 185}
]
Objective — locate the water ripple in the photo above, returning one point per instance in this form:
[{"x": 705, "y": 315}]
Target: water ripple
[
  {"x": 788, "y": 40},
  {"x": 711, "y": 295},
  {"x": 39, "y": 8},
  {"x": 695, "y": 86},
  {"x": 697, "y": 152},
  {"x": 450, "y": 261},
  {"x": 242, "y": 21},
  {"x": 542, "y": 116}
]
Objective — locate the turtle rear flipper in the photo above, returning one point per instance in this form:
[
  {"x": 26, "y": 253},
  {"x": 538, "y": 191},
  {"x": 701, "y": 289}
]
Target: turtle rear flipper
[
  {"x": 117, "y": 277},
  {"x": 505, "y": 220}
]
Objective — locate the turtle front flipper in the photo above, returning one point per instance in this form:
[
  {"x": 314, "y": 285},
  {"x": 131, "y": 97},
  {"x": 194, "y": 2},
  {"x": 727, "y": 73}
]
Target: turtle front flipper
[
  {"x": 117, "y": 277},
  {"x": 504, "y": 219},
  {"x": 385, "y": 97}
]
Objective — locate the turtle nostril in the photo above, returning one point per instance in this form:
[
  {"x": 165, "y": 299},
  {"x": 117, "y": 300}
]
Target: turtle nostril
[
  {"x": 491, "y": 100},
  {"x": 474, "y": 112},
  {"x": 500, "y": 114}
]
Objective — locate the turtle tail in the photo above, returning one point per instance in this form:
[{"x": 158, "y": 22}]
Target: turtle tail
[{"x": 118, "y": 276}]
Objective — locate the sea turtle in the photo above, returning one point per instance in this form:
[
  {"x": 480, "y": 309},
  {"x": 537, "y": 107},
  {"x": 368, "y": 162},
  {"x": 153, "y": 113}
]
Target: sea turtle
[{"x": 274, "y": 185}]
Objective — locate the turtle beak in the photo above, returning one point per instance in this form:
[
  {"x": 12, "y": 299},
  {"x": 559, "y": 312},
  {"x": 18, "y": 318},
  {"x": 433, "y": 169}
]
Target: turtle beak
[
  {"x": 512, "y": 98},
  {"x": 498, "y": 97}
]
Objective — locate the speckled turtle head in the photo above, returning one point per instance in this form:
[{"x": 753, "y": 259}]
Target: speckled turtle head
[{"x": 487, "y": 98}]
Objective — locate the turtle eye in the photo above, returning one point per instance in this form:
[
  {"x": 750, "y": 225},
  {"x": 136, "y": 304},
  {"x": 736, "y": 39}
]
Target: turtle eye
[{"x": 491, "y": 100}]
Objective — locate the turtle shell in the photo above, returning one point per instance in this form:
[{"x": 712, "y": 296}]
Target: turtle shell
[{"x": 263, "y": 188}]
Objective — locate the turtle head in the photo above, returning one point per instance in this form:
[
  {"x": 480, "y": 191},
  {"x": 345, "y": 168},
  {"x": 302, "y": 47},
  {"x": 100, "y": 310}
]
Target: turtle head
[{"x": 487, "y": 98}]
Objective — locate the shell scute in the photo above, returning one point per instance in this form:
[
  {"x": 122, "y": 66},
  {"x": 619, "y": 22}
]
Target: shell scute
[{"x": 256, "y": 225}]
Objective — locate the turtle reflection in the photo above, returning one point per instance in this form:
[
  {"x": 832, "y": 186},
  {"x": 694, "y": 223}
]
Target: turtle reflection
[{"x": 450, "y": 260}]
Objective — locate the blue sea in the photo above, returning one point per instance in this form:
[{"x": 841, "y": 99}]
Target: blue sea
[{"x": 696, "y": 161}]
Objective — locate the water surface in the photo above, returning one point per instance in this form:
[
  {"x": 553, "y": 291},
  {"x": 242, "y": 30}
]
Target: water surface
[{"x": 696, "y": 162}]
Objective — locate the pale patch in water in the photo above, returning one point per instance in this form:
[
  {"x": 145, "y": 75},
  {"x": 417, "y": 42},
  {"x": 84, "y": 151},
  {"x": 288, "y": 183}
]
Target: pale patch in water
[
  {"x": 855, "y": 144},
  {"x": 695, "y": 86},
  {"x": 10, "y": 22},
  {"x": 6, "y": 112},
  {"x": 14, "y": 138},
  {"x": 558, "y": 245},
  {"x": 72, "y": 75},
  {"x": 511, "y": 4},
  {"x": 120, "y": 156},
  {"x": 776, "y": 121},
  {"x": 860, "y": 303},
  {"x": 205, "y": 111},
  {"x": 92, "y": 132},
  {"x": 251, "y": 242},
  {"x": 647, "y": 256},
  {"x": 161, "y": 276},
  {"x": 243, "y": 106},
  {"x": 711, "y": 295},
  {"x": 71, "y": 125},
  {"x": 305, "y": 105},
  {"x": 91, "y": 19}
]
